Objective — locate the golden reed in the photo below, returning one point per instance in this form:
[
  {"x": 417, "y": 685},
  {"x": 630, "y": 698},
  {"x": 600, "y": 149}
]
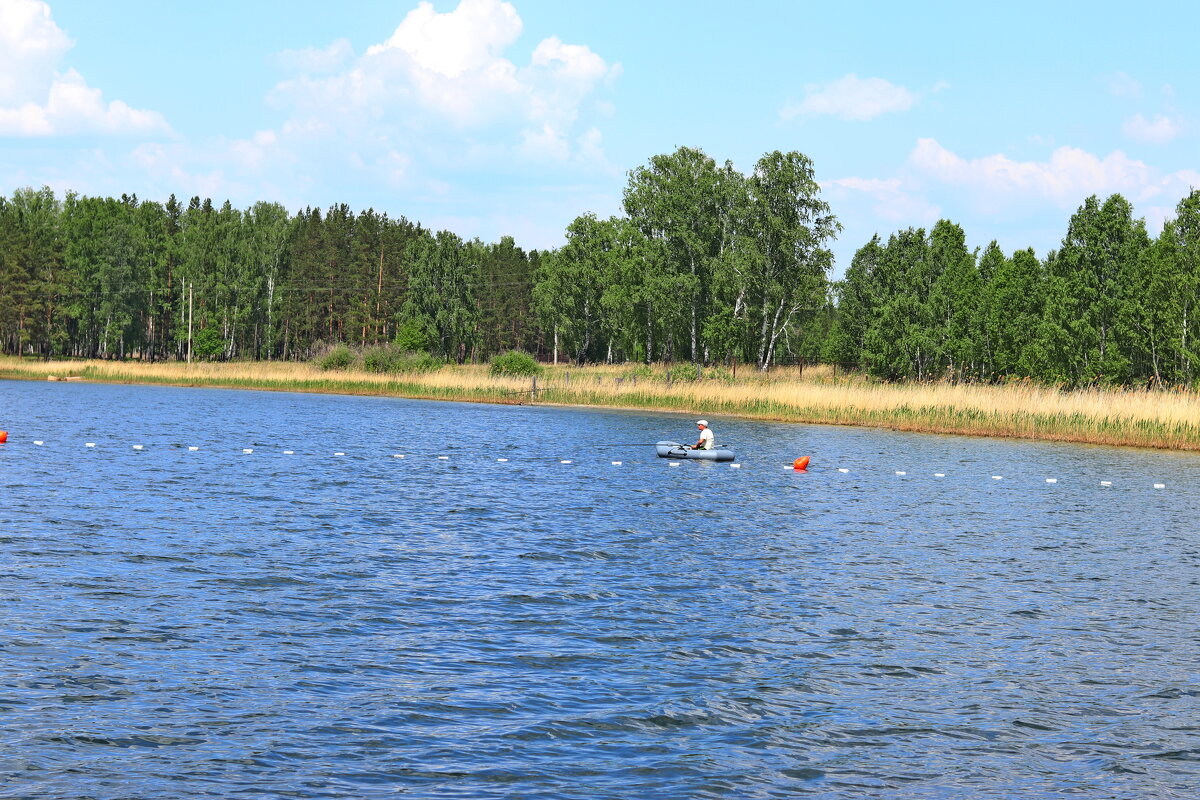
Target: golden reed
[{"x": 1168, "y": 419}]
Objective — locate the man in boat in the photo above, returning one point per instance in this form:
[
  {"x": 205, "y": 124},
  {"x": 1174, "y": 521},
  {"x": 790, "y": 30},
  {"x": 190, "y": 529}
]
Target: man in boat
[{"x": 706, "y": 436}]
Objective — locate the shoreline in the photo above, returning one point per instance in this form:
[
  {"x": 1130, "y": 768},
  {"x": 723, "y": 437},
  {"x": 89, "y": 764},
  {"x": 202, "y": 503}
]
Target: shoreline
[{"x": 1163, "y": 420}]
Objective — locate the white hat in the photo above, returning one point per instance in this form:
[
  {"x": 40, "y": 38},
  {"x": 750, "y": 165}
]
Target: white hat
[{"x": 703, "y": 422}]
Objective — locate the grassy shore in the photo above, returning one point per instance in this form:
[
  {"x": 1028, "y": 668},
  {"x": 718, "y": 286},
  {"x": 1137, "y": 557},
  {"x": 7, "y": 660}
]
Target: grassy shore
[{"x": 1143, "y": 418}]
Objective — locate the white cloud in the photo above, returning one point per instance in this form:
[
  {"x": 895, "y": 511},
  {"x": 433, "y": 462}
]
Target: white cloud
[
  {"x": 441, "y": 89},
  {"x": 36, "y": 100},
  {"x": 1160, "y": 130},
  {"x": 73, "y": 107},
  {"x": 1122, "y": 85},
  {"x": 892, "y": 202},
  {"x": 853, "y": 98},
  {"x": 546, "y": 143},
  {"x": 316, "y": 60},
  {"x": 166, "y": 164},
  {"x": 1065, "y": 180},
  {"x": 252, "y": 153},
  {"x": 559, "y": 78},
  {"x": 437, "y": 118},
  {"x": 591, "y": 148},
  {"x": 436, "y": 99},
  {"x": 468, "y": 39},
  {"x": 30, "y": 47}
]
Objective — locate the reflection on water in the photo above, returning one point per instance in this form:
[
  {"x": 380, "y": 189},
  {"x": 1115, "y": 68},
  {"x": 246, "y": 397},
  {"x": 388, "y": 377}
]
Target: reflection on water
[{"x": 212, "y": 623}]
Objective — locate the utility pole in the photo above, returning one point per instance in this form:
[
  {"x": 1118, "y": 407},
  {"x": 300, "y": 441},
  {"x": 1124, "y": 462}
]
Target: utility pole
[{"x": 190, "y": 287}]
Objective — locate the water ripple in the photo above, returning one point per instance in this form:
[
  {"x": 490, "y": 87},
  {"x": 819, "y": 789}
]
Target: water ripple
[{"x": 211, "y": 623}]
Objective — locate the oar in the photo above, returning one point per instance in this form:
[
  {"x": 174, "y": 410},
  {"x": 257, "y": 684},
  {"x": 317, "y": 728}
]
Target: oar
[{"x": 628, "y": 444}]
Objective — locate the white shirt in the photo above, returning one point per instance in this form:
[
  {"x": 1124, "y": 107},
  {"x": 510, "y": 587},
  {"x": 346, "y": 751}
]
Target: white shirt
[{"x": 706, "y": 439}]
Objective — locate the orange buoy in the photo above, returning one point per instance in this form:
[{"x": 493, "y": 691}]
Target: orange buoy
[
  {"x": 800, "y": 464},
  {"x": 3, "y": 437}
]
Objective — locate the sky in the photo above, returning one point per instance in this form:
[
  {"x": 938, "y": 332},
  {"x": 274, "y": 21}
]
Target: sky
[{"x": 494, "y": 118}]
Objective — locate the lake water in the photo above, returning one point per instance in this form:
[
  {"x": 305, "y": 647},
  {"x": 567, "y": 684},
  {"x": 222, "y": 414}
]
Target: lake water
[{"x": 215, "y": 623}]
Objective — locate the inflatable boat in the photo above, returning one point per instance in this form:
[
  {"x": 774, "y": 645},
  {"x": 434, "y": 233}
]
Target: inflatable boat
[{"x": 677, "y": 450}]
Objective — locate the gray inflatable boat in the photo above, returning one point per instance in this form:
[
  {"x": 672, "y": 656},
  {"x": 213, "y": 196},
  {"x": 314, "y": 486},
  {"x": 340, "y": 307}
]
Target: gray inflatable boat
[{"x": 676, "y": 450}]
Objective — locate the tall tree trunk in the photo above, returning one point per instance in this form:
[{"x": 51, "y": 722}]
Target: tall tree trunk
[
  {"x": 378, "y": 296},
  {"x": 270, "y": 318},
  {"x": 776, "y": 329},
  {"x": 695, "y": 303},
  {"x": 762, "y": 337}
]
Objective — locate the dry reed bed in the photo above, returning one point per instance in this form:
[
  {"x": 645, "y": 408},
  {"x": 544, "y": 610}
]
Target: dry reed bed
[{"x": 1162, "y": 419}]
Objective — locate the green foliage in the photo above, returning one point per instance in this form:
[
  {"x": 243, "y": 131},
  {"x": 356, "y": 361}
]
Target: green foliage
[
  {"x": 208, "y": 344},
  {"x": 442, "y": 294},
  {"x": 418, "y": 362},
  {"x": 387, "y": 359},
  {"x": 411, "y": 337},
  {"x": 1112, "y": 306},
  {"x": 640, "y": 371},
  {"x": 719, "y": 374},
  {"x": 517, "y": 363},
  {"x": 723, "y": 265},
  {"x": 339, "y": 357},
  {"x": 684, "y": 372},
  {"x": 707, "y": 265},
  {"x": 381, "y": 359}
]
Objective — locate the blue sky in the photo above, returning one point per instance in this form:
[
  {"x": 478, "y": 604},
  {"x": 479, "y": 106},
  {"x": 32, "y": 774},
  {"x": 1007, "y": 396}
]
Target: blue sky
[{"x": 493, "y": 118}]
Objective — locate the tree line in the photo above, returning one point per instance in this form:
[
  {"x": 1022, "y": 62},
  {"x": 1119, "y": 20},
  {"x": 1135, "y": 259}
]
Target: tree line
[
  {"x": 129, "y": 278},
  {"x": 1111, "y": 305},
  {"x": 705, "y": 264}
]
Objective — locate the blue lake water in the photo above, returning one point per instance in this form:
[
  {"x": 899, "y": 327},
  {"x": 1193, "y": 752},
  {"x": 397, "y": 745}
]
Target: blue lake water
[{"x": 214, "y": 623}]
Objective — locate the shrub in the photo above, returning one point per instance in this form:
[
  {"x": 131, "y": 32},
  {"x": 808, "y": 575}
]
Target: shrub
[
  {"x": 640, "y": 371},
  {"x": 515, "y": 362},
  {"x": 417, "y": 362},
  {"x": 685, "y": 372},
  {"x": 340, "y": 357},
  {"x": 380, "y": 359},
  {"x": 720, "y": 374}
]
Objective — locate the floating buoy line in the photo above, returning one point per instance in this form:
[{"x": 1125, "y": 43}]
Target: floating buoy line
[{"x": 801, "y": 466}]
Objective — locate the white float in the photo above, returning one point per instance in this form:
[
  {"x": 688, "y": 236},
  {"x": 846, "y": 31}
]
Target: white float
[
  {"x": 89, "y": 444},
  {"x": 1051, "y": 480}
]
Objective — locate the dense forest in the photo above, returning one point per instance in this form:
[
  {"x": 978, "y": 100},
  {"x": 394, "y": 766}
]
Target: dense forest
[
  {"x": 706, "y": 264},
  {"x": 1111, "y": 305}
]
